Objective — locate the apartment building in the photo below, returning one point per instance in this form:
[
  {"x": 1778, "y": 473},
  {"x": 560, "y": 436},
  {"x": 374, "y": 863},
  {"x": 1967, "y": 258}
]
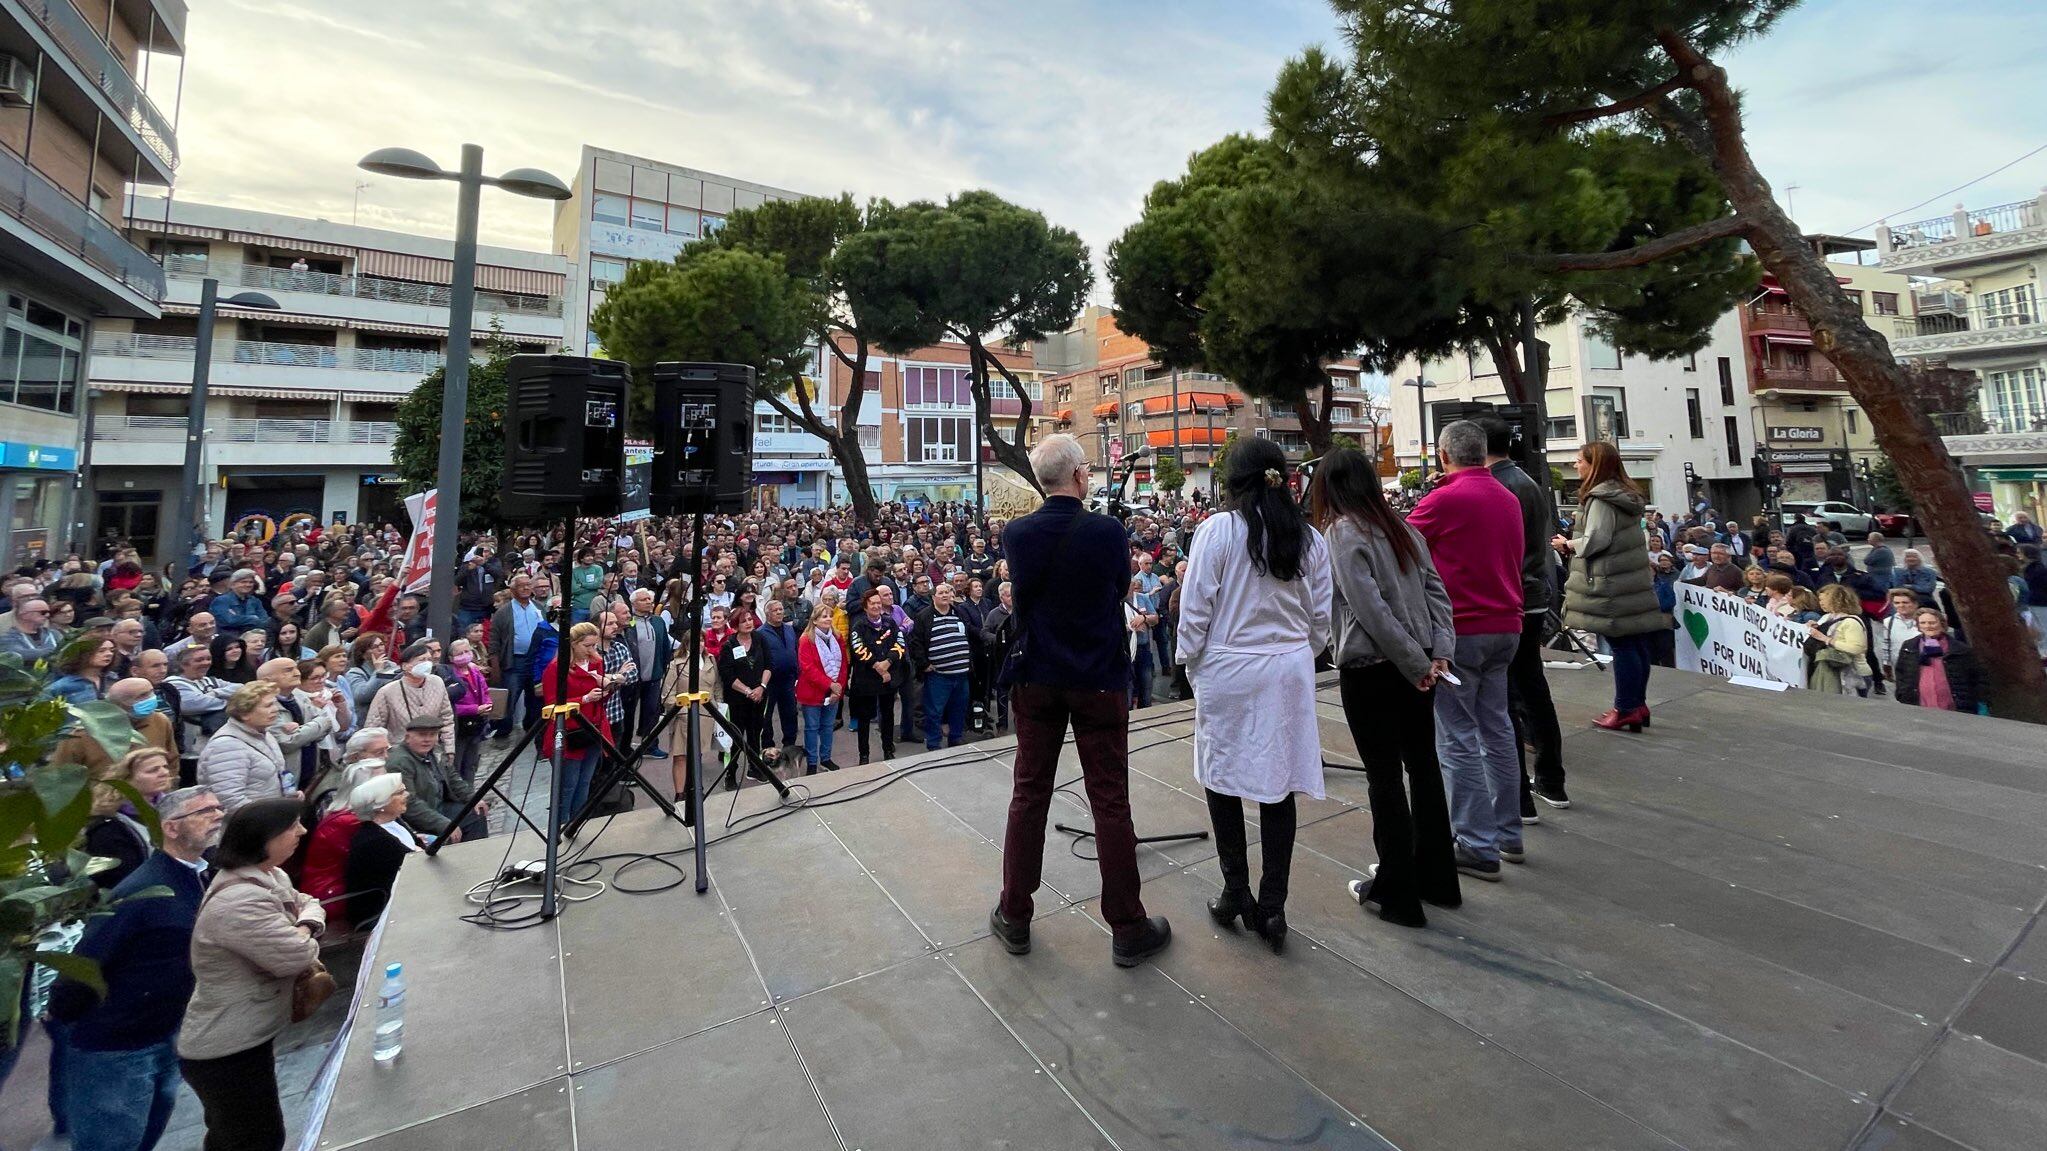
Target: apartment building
[
  {"x": 1107, "y": 389},
  {"x": 1807, "y": 424},
  {"x": 301, "y": 400},
  {"x": 1977, "y": 307},
  {"x": 78, "y": 129},
  {"x": 1662, "y": 415}
]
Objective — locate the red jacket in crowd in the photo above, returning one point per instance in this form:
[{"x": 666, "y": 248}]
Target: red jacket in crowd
[{"x": 812, "y": 684}]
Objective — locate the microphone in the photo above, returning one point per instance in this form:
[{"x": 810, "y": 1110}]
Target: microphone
[{"x": 1129, "y": 457}]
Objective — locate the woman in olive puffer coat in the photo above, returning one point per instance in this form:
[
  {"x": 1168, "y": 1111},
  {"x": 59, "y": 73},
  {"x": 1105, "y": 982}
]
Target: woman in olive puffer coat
[{"x": 1611, "y": 591}]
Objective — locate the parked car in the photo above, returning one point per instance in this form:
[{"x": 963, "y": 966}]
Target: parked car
[
  {"x": 1854, "y": 521},
  {"x": 1897, "y": 525}
]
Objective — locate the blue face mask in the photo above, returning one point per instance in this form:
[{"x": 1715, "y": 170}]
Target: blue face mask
[{"x": 147, "y": 705}]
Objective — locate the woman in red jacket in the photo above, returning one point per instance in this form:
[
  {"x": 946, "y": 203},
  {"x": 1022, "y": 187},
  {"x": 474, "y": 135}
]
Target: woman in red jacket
[
  {"x": 822, "y": 665},
  {"x": 587, "y": 685}
]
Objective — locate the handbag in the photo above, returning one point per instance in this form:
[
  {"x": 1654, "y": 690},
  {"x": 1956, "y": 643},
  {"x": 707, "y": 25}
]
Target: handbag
[
  {"x": 313, "y": 987},
  {"x": 1013, "y": 659}
]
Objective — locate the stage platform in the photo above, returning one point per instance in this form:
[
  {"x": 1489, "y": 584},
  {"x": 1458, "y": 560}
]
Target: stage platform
[{"x": 1772, "y": 921}]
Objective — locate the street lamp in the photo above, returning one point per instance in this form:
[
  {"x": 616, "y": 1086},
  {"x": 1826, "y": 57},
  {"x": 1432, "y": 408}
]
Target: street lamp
[
  {"x": 407, "y": 164},
  {"x": 1421, "y": 408},
  {"x": 189, "y": 505}
]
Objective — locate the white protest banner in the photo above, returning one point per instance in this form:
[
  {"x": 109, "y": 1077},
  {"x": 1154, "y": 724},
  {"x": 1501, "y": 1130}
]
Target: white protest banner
[
  {"x": 419, "y": 550},
  {"x": 1724, "y": 635}
]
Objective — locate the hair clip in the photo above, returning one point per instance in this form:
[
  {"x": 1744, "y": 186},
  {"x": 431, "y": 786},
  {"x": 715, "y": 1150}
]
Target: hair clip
[{"x": 1274, "y": 477}]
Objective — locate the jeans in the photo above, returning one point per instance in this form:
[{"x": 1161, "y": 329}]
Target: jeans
[
  {"x": 817, "y": 732},
  {"x": 945, "y": 705},
  {"x": 239, "y": 1095},
  {"x": 1101, "y": 737},
  {"x": 781, "y": 702},
  {"x": 61, "y": 1074},
  {"x": 1140, "y": 677},
  {"x": 122, "y": 1100},
  {"x": 573, "y": 789},
  {"x": 1475, "y": 741},
  {"x": 522, "y": 696},
  {"x": 1630, "y": 671},
  {"x": 1394, "y": 727},
  {"x": 1529, "y": 703},
  {"x": 865, "y": 708},
  {"x": 465, "y": 619}
]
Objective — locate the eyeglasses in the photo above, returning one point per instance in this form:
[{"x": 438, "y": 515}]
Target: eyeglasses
[{"x": 216, "y": 809}]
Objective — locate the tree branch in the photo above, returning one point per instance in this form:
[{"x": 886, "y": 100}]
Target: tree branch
[
  {"x": 1636, "y": 102},
  {"x": 1681, "y": 240}
]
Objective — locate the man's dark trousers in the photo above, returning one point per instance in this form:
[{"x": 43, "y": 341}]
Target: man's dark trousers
[
  {"x": 1533, "y": 712},
  {"x": 782, "y": 701},
  {"x": 1101, "y": 734}
]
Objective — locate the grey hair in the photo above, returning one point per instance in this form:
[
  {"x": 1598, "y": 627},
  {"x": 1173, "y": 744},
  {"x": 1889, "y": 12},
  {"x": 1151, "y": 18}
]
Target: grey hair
[
  {"x": 372, "y": 794},
  {"x": 177, "y": 801},
  {"x": 1056, "y": 458},
  {"x": 359, "y": 773},
  {"x": 358, "y": 744},
  {"x": 1462, "y": 443}
]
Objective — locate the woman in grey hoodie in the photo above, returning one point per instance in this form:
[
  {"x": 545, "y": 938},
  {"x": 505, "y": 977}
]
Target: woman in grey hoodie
[{"x": 1394, "y": 637}]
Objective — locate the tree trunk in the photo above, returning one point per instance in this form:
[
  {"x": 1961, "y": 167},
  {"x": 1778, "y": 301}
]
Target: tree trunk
[
  {"x": 1010, "y": 453},
  {"x": 1973, "y": 571},
  {"x": 842, "y": 441},
  {"x": 1314, "y": 424}
]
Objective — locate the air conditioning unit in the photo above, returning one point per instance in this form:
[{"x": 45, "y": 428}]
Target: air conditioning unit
[{"x": 17, "y": 83}]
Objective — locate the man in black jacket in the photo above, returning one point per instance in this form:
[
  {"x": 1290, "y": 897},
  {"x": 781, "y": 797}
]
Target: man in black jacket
[
  {"x": 1528, "y": 700},
  {"x": 1069, "y": 571},
  {"x": 122, "y": 1079}
]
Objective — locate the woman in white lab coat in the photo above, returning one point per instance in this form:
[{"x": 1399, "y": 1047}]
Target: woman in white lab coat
[{"x": 1254, "y": 612}]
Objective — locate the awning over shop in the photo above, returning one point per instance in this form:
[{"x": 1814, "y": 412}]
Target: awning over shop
[{"x": 1105, "y": 410}]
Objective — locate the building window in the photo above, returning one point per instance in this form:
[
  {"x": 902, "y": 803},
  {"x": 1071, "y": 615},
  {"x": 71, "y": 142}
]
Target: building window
[
  {"x": 870, "y": 438},
  {"x": 682, "y": 222},
  {"x": 937, "y": 387},
  {"x": 2009, "y": 307},
  {"x": 607, "y": 270},
  {"x": 1063, "y": 393},
  {"x": 1855, "y": 297},
  {"x": 1601, "y": 354},
  {"x": 1108, "y": 385},
  {"x": 1726, "y": 382},
  {"x": 1133, "y": 375},
  {"x": 1560, "y": 428},
  {"x": 1884, "y": 303},
  {"x": 40, "y": 355},
  {"x": 712, "y": 225},
  {"x": 1692, "y": 362},
  {"x": 649, "y": 217},
  {"x": 774, "y": 424},
  {"x": 606, "y": 208},
  {"x": 938, "y": 439},
  {"x": 1854, "y": 422},
  {"x": 1695, "y": 416},
  {"x": 1732, "y": 428},
  {"x": 2017, "y": 398},
  {"x": 1480, "y": 367}
]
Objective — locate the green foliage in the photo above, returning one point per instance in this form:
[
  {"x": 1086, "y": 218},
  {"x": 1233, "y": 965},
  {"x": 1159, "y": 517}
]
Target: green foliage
[
  {"x": 1889, "y": 490},
  {"x": 416, "y": 449},
  {"x": 1342, "y": 441},
  {"x": 44, "y": 807},
  {"x": 1167, "y": 476},
  {"x": 1220, "y": 466},
  {"x": 1556, "y": 479},
  {"x": 1411, "y": 480}
]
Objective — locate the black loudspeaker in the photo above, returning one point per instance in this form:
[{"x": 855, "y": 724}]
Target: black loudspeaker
[
  {"x": 1527, "y": 449},
  {"x": 564, "y": 437},
  {"x": 703, "y": 438}
]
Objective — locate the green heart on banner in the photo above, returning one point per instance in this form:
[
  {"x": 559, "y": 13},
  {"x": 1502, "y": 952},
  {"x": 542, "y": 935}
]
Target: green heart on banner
[{"x": 1697, "y": 627}]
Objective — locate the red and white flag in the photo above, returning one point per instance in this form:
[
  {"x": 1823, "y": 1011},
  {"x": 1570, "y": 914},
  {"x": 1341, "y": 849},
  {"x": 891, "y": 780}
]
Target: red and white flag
[{"x": 419, "y": 550}]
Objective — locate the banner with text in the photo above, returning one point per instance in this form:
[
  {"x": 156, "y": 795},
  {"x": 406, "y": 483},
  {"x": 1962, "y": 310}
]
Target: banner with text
[
  {"x": 419, "y": 550},
  {"x": 1723, "y": 635}
]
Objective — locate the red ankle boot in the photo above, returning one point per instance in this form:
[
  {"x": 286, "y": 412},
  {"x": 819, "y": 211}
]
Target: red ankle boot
[{"x": 1617, "y": 720}]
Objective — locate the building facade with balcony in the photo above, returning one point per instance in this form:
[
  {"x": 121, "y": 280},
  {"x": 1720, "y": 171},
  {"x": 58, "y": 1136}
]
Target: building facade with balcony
[
  {"x": 1662, "y": 414},
  {"x": 1807, "y": 424},
  {"x": 78, "y": 130},
  {"x": 301, "y": 400},
  {"x": 1979, "y": 310}
]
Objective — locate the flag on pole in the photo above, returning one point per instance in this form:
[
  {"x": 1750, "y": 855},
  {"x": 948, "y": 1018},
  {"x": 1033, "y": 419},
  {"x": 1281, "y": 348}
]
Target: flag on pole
[{"x": 419, "y": 550}]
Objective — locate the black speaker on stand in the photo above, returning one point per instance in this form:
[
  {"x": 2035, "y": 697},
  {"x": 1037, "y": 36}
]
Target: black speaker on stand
[
  {"x": 703, "y": 438},
  {"x": 564, "y": 437}
]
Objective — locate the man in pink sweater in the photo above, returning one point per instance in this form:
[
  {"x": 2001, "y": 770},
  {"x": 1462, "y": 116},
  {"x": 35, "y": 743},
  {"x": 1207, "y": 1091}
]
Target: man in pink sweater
[{"x": 1473, "y": 526}]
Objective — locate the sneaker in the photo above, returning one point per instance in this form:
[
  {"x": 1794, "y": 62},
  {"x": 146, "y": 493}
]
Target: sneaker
[
  {"x": 1552, "y": 794},
  {"x": 656, "y": 753},
  {"x": 1156, "y": 934},
  {"x": 1016, "y": 939},
  {"x": 1361, "y": 890},
  {"x": 1528, "y": 812},
  {"x": 1469, "y": 863},
  {"x": 1512, "y": 851}
]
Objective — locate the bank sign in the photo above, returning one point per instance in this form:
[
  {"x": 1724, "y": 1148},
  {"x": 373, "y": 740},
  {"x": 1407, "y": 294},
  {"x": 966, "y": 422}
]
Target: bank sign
[{"x": 40, "y": 457}]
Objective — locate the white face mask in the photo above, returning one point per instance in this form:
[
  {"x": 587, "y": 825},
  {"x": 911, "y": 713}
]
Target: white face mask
[{"x": 421, "y": 668}]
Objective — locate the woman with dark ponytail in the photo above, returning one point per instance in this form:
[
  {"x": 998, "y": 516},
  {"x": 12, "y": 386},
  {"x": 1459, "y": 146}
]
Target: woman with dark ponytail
[{"x": 1254, "y": 612}]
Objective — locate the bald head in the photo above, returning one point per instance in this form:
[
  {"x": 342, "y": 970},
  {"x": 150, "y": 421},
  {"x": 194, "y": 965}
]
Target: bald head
[
  {"x": 282, "y": 672},
  {"x": 128, "y": 692}
]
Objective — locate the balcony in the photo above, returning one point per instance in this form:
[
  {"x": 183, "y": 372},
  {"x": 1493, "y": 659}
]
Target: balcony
[
  {"x": 359, "y": 287},
  {"x": 159, "y": 441},
  {"x": 1777, "y": 320},
  {"x": 1963, "y": 238},
  {"x": 1785, "y": 377},
  {"x": 1944, "y": 301},
  {"x": 260, "y": 366},
  {"x": 108, "y": 74},
  {"x": 1960, "y": 337},
  {"x": 134, "y": 284},
  {"x": 2006, "y": 433}
]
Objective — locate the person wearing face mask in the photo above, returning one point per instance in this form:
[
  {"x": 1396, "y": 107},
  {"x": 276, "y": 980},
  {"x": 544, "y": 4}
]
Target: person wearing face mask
[
  {"x": 470, "y": 710},
  {"x": 417, "y": 692},
  {"x": 136, "y": 696}
]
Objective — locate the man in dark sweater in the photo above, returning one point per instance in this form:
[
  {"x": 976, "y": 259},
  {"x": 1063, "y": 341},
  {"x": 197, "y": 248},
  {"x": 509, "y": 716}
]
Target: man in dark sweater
[
  {"x": 1528, "y": 699},
  {"x": 943, "y": 647},
  {"x": 1069, "y": 570},
  {"x": 122, "y": 1081}
]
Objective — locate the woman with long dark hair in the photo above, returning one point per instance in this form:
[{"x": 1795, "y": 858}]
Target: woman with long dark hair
[
  {"x": 230, "y": 659},
  {"x": 1394, "y": 636},
  {"x": 1254, "y": 612},
  {"x": 1611, "y": 591}
]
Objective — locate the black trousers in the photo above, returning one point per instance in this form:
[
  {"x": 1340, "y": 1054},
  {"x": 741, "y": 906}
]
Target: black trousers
[
  {"x": 1275, "y": 846},
  {"x": 866, "y": 709},
  {"x": 239, "y": 1094},
  {"x": 1533, "y": 712},
  {"x": 1394, "y": 727}
]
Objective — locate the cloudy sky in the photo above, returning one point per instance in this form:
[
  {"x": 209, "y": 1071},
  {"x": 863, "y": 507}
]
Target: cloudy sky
[{"x": 1857, "y": 109}]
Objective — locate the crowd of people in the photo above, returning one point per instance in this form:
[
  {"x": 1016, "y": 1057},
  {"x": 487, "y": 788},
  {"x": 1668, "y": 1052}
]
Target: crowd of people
[{"x": 299, "y": 731}]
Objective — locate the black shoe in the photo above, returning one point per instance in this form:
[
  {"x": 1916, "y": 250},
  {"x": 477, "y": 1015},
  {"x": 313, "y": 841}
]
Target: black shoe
[
  {"x": 863, "y": 761},
  {"x": 1232, "y": 903},
  {"x": 830, "y": 766},
  {"x": 1015, "y": 939},
  {"x": 1552, "y": 794},
  {"x": 1528, "y": 812},
  {"x": 1272, "y": 928},
  {"x": 1156, "y": 934}
]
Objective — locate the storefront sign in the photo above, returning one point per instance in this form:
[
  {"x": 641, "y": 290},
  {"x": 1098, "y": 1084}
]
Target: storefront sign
[
  {"x": 374, "y": 479},
  {"x": 1797, "y": 435},
  {"x": 42, "y": 457},
  {"x": 1724, "y": 635},
  {"x": 635, "y": 243}
]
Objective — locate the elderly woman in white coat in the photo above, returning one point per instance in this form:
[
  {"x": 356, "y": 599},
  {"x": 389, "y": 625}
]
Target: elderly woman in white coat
[
  {"x": 243, "y": 762},
  {"x": 1254, "y": 612}
]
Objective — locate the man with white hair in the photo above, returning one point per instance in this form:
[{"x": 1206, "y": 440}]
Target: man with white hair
[
  {"x": 240, "y": 608},
  {"x": 301, "y": 724},
  {"x": 202, "y": 698}
]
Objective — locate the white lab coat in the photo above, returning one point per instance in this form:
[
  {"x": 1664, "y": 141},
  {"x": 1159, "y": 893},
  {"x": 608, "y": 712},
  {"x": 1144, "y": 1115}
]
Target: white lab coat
[{"x": 1249, "y": 643}]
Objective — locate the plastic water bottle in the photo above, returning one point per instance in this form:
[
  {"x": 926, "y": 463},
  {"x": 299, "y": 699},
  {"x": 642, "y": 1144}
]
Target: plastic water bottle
[{"x": 390, "y": 1035}]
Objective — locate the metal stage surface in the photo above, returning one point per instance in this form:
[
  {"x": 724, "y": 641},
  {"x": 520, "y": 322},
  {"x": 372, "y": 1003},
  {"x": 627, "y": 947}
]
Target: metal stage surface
[{"x": 1772, "y": 921}]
